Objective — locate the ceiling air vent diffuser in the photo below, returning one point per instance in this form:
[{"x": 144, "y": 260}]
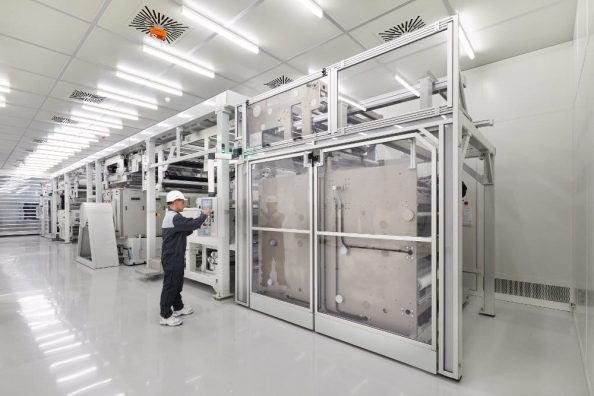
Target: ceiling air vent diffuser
[
  {"x": 277, "y": 82},
  {"x": 158, "y": 25},
  {"x": 62, "y": 120},
  {"x": 401, "y": 29},
  {"x": 86, "y": 96}
]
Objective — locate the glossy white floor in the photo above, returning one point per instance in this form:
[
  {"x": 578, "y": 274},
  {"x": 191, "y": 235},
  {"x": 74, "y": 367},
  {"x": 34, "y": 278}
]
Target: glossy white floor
[{"x": 68, "y": 330}]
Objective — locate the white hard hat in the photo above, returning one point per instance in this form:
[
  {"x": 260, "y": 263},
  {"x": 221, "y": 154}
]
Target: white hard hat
[{"x": 174, "y": 195}]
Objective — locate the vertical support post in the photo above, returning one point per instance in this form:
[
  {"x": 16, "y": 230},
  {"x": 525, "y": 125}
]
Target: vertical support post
[
  {"x": 178, "y": 142},
  {"x": 160, "y": 169},
  {"x": 450, "y": 286},
  {"x": 333, "y": 102},
  {"x": 67, "y": 193},
  {"x": 89, "y": 174},
  {"x": 98, "y": 182},
  {"x": 426, "y": 91},
  {"x": 54, "y": 208},
  {"x": 151, "y": 203},
  {"x": 488, "y": 307},
  {"x": 223, "y": 268},
  {"x": 413, "y": 154}
]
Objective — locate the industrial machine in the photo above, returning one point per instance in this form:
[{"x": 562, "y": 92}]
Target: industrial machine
[
  {"x": 70, "y": 193},
  {"x": 129, "y": 218},
  {"x": 197, "y": 158},
  {"x": 349, "y": 200},
  {"x": 46, "y": 211}
]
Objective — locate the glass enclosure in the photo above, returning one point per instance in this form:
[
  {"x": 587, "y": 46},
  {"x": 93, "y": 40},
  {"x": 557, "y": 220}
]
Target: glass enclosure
[
  {"x": 374, "y": 235},
  {"x": 381, "y": 87},
  {"x": 280, "y": 210},
  {"x": 289, "y": 116}
]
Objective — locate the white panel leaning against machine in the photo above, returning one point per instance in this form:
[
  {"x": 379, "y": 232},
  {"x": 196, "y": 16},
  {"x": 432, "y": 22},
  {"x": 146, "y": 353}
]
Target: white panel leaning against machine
[{"x": 349, "y": 200}]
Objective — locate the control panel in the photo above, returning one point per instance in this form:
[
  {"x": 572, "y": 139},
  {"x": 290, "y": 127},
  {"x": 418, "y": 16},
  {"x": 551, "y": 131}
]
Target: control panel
[{"x": 209, "y": 227}]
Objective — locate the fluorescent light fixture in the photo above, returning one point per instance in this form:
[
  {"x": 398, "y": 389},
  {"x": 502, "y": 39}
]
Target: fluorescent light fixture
[
  {"x": 101, "y": 110},
  {"x": 4, "y": 88},
  {"x": 160, "y": 53},
  {"x": 58, "y": 149},
  {"x": 63, "y": 348},
  {"x": 466, "y": 44},
  {"x": 48, "y": 312},
  {"x": 399, "y": 126},
  {"x": 96, "y": 120},
  {"x": 72, "y": 359},
  {"x": 72, "y": 131},
  {"x": 186, "y": 116},
  {"x": 50, "y": 335},
  {"x": 51, "y": 142},
  {"x": 2, "y": 103},
  {"x": 35, "y": 168},
  {"x": 49, "y": 154},
  {"x": 219, "y": 29},
  {"x": 352, "y": 103},
  {"x": 77, "y": 374},
  {"x": 89, "y": 127},
  {"x": 118, "y": 110},
  {"x": 150, "y": 82},
  {"x": 164, "y": 124},
  {"x": 36, "y": 161},
  {"x": 313, "y": 7},
  {"x": 42, "y": 325},
  {"x": 57, "y": 341},
  {"x": 406, "y": 85},
  {"x": 86, "y": 388},
  {"x": 116, "y": 94},
  {"x": 61, "y": 136}
]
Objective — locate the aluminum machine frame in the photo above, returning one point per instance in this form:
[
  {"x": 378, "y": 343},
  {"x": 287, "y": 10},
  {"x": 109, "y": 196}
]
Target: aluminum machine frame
[
  {"x": 207, "y": 149},
  {"x": 293, "y": 132}
]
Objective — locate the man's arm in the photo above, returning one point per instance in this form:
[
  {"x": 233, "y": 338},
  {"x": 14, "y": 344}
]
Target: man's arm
[{"x": 181, "y": 223}]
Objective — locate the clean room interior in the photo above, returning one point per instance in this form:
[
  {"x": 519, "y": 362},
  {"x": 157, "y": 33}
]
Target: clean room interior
[{"x": 364, "y": 198}]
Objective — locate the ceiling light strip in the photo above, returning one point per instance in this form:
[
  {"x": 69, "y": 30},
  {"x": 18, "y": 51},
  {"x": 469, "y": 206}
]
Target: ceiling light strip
[
  {"x": 148, "y": 49},
  {"x": 313, "y": 8},
  {"x": 219, "y": 29},
  {"x": 100, "y": 110},
  {"x": 146, "y": 81},
  {"x": 126, "y": 99}
]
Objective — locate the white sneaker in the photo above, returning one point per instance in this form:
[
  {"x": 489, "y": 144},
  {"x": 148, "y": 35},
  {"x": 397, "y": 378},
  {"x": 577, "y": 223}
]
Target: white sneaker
[
  {"x": 170, "y": 321},
  {"x": 183, "y": 311}
]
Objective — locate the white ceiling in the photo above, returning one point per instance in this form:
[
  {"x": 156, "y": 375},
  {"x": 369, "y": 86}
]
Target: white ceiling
[{"x": 52, "y": 47}]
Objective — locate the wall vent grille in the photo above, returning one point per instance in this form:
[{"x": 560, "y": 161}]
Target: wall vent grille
[
  {"x": 401, "y": 29},
  {"x": 147, "y": 19},
  {"x": 62, "y": 120},
  {"x": 535, "y": 291},
  {"x": 277, "y": 82},
  {"x": 86, "y": 96}
]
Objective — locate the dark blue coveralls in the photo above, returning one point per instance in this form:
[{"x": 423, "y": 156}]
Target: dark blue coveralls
[{"x": 176, "y": 228}]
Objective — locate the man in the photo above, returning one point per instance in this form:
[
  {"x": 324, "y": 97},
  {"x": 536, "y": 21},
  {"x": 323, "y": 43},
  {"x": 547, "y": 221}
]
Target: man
[{"x": 176, "y": 228}]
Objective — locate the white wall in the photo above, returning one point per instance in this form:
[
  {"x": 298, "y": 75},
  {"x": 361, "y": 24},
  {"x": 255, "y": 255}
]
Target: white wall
[
  {"x": 530, "y": 97},
  {"x": 583, "y": 183}
]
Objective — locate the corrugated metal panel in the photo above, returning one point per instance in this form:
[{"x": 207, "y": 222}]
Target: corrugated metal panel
[{"x": 19, "y": 204}]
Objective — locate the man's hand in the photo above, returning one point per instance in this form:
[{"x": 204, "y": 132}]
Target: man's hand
[{"x": 207, "y": 211}]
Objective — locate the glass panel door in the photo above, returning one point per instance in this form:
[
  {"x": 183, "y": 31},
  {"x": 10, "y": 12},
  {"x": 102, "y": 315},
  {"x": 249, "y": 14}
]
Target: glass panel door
[
  {"x": 281, "y": 230},
  {"x": 376, "y": 236}
]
